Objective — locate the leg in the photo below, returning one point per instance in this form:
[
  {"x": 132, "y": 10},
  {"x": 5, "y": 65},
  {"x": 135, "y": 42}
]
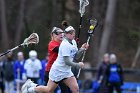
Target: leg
[
  {"x": 6, "y": 87},
  {"x": 46, "y": 77},
  {"x": 2, "y": 89},
  {"x": 11, "y": 86},
  {"x": 72, "y": 84},
  {"x": 118, "y": 88},
  {"x": 110, "y": 88},
  {"x": 51, "y": 86},
  {"x": 64, "y": 88},
  {"x": 103, "y": 87}
]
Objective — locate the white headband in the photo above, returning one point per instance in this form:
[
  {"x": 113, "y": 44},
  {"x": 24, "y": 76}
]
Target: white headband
[
  {"x": 56, "y": 29},
  {"x": 69, "y": 28}
]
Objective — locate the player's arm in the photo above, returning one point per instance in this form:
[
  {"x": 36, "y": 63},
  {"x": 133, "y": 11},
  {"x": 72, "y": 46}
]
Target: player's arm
[
  {"x": 79, "y": 53},
  {"x": 70, "y": 63},
  {"x": 81, "y": 50}
]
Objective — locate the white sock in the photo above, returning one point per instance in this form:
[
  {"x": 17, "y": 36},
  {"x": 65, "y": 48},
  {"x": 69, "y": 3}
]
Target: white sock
[{"x": 31, "y": 90}]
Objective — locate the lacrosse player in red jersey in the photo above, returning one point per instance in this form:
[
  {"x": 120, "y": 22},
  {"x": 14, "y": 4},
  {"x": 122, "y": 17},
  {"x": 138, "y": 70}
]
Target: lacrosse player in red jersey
[{"x": 53, "y": 48}]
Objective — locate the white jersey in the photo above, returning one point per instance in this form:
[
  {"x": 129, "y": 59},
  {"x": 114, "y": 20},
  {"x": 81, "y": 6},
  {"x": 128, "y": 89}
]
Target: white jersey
[
  {"x": 32, "y": 68},
  {"x": 59, "y": 69}
]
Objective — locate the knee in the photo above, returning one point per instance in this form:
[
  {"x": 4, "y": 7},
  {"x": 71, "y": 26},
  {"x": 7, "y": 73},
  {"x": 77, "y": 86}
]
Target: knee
[
  {"x": 50, "y": 90},
  {"x": 75, "y": 89}
]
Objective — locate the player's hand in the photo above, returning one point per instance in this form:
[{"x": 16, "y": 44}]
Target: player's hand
[
  {"x": 81, "y": 64},
  {"x": 85, "y": 46}
]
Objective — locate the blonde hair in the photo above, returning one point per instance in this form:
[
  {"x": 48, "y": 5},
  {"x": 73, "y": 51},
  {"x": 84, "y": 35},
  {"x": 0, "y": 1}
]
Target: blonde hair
[
  {"x": 52, "y": 37},
  {"x": 55, "y": 31}
]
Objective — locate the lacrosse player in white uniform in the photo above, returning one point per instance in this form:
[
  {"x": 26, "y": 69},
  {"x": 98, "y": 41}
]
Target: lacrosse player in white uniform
[{"x": 61, "y": 69}]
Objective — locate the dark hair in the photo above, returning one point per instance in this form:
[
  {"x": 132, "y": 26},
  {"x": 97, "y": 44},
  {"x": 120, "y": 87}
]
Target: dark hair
[{"x": 64, "y": 24}]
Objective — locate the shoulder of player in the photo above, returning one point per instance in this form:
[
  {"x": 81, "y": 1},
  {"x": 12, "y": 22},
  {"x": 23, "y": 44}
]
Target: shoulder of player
[
  {"x": 38, "y": 60},
  {"x": 53, "y": 43},
  {"x": 27, "y": 60},
  {"x": 64, "y": 43}
]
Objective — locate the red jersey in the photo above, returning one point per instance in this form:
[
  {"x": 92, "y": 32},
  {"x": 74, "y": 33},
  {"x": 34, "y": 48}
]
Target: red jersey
[{"x": 52, "y": 55}]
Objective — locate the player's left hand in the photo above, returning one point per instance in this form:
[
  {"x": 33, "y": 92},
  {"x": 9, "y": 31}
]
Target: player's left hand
[{"x": 85, "y": 46}]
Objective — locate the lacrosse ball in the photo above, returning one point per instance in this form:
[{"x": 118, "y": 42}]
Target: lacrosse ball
[{"x": 91, "y": 27}]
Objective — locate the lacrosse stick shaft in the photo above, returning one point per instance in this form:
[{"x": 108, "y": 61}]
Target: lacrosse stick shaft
[
  {"x": 83, "y": 56},
  {"x": 5, "y": 53},
  {"x": 80, "y": 26},
  {"x": 83, "y": 4},
  {"x": 85, "y": 49},
  {"x": 10, "y": 50}
]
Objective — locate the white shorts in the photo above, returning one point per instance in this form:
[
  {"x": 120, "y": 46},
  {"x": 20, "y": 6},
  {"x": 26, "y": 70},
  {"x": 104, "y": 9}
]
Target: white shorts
[{"x": 57, "y": 75}]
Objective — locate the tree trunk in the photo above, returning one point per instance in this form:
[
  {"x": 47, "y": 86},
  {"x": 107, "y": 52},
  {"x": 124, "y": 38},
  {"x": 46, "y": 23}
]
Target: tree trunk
[
  {"x": 4, "y": 33},
  {"x": 63, "y": 9},
  {"x": 98, "y": 31},
  {"x": 54, "y": 12},
  {"x": 107, "y": 28},
  {"x": 20, "y": 22},
  {"x": 136, "y": 57}
]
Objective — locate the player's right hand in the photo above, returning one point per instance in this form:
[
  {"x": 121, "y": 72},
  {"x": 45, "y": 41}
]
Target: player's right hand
[{"x": 81, "y": 64}]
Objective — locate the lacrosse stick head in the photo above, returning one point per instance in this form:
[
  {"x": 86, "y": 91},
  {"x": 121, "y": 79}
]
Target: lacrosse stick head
[
  {"x": 93, "y": 23},
  {"x": 83, "y": 4},
  {"x": 32, "y": 39}
]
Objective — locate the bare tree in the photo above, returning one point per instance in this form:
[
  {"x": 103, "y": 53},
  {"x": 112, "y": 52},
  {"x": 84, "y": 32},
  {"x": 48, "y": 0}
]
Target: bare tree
[
  {"x": 63, "y": 9},
  {"x": 136, "y": 56},
  {"x": 4, "y": 33},
  {"x": 108, "y": 27},
  {"x": 20, "y": 22},
  {"x": 54, "y": 11},
  {"x": 96, "y": 8}
]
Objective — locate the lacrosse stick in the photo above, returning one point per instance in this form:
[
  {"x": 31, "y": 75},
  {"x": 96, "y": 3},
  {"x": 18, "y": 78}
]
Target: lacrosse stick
[
  {"x": 32, "y": 39},
  {"x": 93, "y": 24},
  {"x": 83, "y": 4}
]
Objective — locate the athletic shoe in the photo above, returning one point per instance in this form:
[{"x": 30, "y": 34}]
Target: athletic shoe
[{"x": 27, "y": 85}]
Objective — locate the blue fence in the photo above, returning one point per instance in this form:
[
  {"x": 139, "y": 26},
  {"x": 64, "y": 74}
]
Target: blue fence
[{"x": 128, "y": 87}]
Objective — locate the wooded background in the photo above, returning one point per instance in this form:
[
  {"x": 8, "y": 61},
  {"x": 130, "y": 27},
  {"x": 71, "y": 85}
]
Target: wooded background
[{"x": 118, "y": 29}]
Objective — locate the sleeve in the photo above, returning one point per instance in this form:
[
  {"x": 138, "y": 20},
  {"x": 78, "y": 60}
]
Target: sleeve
[
  {"x": 79, "y": 53},
  {"x": 56, "y": 49},
  {"x": 39, "y": 65},
  {"x": 65, "y": 50},
  {"x": 25, "y": 66},
  {"x": 121, "y": 74},
  {"x": 41, "y": 71},
  {"x": 107, "y": 72},
  {"x": 99, "y": 72},
  {"x": 52, "y": 46},
  {"x": 15, "y": 74},
  {"x": 70, "y": 63}
]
